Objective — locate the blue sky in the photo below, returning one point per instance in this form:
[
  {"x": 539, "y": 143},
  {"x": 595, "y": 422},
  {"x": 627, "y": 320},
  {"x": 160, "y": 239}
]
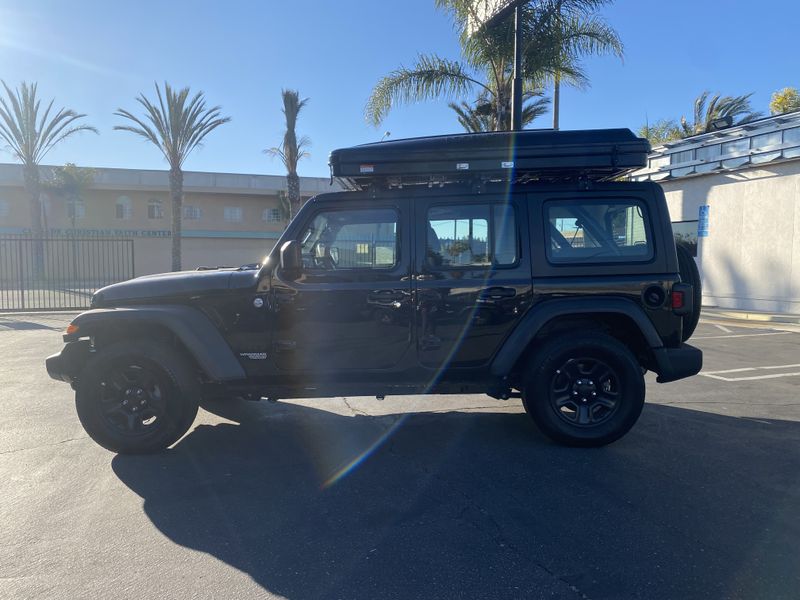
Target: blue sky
[{"x": 97, "y": 56}]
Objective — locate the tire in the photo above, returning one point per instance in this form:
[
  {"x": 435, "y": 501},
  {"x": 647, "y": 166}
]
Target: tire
[
  {"x": 137, "y": 397},
  {"x": 689, "y": 273},
  {"x": 594, "y": 366}
]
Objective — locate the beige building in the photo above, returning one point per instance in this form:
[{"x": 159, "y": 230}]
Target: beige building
[
  {"x": 739, "y": 188},
  {"x": 228, "y": 219}
]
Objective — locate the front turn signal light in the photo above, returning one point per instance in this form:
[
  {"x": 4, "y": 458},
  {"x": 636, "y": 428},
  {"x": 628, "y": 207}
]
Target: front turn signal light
[{"x": 72, "y": 328}]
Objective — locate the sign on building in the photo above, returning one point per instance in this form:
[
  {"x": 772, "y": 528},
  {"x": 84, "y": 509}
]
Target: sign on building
[{"x": 702, "y": 220}]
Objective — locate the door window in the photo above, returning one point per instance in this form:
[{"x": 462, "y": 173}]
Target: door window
[
  {"x": 351, "y": 239},
  {"x": 471, "y": 235}
]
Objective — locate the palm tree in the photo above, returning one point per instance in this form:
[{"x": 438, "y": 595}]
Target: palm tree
[
  {"x": 580, "y": 32},
  {"x": 717, "y": 107},
  {"x": 30, "y": 134},
  {"x": 176, "y": 125},
  {"x": 291, "y": 149},
  {"x": 661, "y": 132},
  {"x": 482, "y": 114},
  {"x": 555, "y": 37}
]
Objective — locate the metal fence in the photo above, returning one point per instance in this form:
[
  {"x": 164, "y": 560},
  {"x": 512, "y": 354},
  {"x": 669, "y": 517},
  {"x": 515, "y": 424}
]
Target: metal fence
[{"x": 59, "y": 273}]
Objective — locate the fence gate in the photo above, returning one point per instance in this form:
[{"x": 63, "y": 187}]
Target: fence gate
[{"x": 59, "y": 273}]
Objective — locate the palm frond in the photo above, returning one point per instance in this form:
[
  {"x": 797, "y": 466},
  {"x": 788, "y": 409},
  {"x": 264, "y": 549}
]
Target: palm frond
[
  {"x": 430, "y": 77},
  {"x": 30, "y": 132}
]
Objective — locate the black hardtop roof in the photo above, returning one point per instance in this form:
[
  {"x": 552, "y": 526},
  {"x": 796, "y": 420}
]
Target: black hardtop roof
[{"x": 533, "y": 154}]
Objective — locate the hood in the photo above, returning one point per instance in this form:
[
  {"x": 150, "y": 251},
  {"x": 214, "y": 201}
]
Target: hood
[{"x": 182, "y": 284}]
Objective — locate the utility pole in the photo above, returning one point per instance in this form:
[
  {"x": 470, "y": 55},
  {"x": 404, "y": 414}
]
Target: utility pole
[{"x": 516, "y": 84}]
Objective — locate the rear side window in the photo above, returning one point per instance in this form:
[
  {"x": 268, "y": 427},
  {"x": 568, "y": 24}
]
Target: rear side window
[
  {"x": 471, "y": 235},
  {"x": 598, "y": 231}
]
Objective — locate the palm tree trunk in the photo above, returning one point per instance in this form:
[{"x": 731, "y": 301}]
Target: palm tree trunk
[
  {"x": 176, "y": 193},
  {"x": 34, "y": 188},
  {"x": 293, "y": 186},
  {"x": 556, "y": 100}
]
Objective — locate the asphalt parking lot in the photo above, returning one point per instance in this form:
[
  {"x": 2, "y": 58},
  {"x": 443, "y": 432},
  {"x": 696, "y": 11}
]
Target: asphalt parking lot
[{"x": 412, "y": 497}]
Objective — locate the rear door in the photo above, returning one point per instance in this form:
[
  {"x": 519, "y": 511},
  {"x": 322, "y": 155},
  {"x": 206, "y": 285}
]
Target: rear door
[{"x": 472, "y": 277}]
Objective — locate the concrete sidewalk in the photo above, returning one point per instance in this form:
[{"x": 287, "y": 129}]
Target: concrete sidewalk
[{"x": 749, "y": 315}]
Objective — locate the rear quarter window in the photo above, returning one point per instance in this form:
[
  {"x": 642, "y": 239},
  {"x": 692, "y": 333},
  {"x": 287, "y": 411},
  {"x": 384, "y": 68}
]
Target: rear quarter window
[{"x": 600, "y": 230}]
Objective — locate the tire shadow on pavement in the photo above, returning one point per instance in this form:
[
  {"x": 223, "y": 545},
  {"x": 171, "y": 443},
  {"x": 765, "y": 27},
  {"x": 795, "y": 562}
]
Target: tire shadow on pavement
[{"x": 312, "y": 504}]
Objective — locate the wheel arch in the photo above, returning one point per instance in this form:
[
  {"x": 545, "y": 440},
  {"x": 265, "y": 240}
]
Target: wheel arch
[
  {"x": 619, "y": 317},
  {"x": 187, "y": 326}
]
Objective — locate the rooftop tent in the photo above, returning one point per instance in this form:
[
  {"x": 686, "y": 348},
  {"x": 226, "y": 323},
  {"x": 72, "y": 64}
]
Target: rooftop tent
[{"x": 596, "y": 154}]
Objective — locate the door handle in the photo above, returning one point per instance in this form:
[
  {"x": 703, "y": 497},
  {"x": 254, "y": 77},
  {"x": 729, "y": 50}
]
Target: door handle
[{"x": 496, "y": 293}]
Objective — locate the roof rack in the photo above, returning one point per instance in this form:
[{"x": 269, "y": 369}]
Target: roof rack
[{"x": 520, "y": 157}]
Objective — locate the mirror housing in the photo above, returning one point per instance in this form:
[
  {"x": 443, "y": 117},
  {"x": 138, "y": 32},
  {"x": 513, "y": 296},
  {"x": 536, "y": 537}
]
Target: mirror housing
[{"x": 291, "y": 256}]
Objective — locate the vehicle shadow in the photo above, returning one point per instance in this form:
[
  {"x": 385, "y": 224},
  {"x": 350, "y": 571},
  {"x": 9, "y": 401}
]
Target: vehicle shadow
[{"x": 480, "y": 505}]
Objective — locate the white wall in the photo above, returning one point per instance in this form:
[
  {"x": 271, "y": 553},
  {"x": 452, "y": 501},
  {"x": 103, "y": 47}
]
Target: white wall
[{"x": 751, "y": 258}]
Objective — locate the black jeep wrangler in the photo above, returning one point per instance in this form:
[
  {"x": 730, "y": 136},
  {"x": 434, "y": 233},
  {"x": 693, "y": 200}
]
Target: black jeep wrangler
[{"x": 510, "y": 264}]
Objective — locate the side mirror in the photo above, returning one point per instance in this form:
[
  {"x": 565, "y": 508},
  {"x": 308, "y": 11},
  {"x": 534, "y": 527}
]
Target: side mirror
[{"x": 291, "y": 256}]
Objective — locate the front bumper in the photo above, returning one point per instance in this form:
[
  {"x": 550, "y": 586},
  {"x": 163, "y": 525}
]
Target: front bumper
[
  {"x": 677, "y": 363},
  {"x": 67, "y": 364}
]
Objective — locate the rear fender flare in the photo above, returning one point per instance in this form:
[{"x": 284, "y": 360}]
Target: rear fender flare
[
  {"x": 541, "y": 314},
  {"x": 196, "y": 332}
]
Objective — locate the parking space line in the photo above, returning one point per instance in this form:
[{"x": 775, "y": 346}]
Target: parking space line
[
  {"x": 722, "y": 328},
  {"x": 721, "y": 375},
  {"x": 738, "y": 335}
]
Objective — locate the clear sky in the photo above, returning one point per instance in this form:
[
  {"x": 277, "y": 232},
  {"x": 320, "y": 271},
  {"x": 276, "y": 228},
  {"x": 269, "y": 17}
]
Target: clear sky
[{"x": 97, "y": 56}]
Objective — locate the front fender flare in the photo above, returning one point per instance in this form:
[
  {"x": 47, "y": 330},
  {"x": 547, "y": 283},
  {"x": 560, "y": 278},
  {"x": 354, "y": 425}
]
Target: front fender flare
[{"x": 197, "y": 333}]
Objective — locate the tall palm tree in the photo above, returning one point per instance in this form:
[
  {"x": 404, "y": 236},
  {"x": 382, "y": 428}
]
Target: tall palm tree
[
  {"x": 176, "y": 125},
  {"x": 30, "y": 134},
  {"x": 579, "y": 32},
  {"x": 482, "y": 114},
  {"x": 555, "y": 38},
  {"x": 708, "y": 109},
  {"x": 291, "y": 149}
]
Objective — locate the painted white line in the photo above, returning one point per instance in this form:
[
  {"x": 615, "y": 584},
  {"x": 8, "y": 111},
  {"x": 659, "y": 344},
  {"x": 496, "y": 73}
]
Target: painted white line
[
  {"x": 739, "y": 335},
  {"x": 753, "y": 378},
  {"x": 722, "y": 328},
  {"x": 721, "y": 374}
]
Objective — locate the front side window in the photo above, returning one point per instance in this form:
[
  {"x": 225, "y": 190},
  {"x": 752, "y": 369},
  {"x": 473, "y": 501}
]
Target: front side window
[
  {"x": 351, "y": 239},
  {"x": 597, "y": 231},
  {"x": 471, "y": 235}
]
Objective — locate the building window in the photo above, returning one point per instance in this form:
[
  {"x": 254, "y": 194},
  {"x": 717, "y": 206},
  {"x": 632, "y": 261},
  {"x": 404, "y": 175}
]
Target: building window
[
  {"x": 3, "y": 208},
  {"x": 271, "y": 215},
  {"x": 233, "y": 214},
  {"x": 124, "y": 210},
  {"x": 192, "y": 213},
  {"x": 76, "y": 209},
  {"x": 155, "y": 210}
]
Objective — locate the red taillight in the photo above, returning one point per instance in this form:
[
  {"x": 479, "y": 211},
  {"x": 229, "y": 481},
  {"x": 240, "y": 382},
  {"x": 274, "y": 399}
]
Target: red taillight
[{"x": 677, "y": 299}]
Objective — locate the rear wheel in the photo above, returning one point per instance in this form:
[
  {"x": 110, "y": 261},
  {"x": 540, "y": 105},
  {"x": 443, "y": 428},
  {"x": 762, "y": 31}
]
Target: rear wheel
[
  {"x": 584, "y": 390},
  {"x": 136, "y": 397},
  {"x": 689, "y": 273}
]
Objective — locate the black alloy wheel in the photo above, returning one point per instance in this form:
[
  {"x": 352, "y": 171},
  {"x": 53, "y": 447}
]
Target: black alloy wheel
[
  {"x": 137, "y": 397},
  {"x": 583, "y": 389}
]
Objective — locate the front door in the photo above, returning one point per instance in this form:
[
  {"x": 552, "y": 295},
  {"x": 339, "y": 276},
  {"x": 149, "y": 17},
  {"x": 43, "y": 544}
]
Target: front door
[
  {"x": 350, "y": 307},
  {"x": 472, "y": 278}
]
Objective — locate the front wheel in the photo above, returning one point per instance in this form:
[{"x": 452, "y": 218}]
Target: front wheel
[
  {"x": 136, "y": 397},
  {"x": 584, "y": 389}
]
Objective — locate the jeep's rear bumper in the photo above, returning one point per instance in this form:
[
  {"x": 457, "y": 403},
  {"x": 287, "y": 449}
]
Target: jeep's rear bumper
[
  {"x": 677, "y": 363},
  {"x": 67, "y": 364}
]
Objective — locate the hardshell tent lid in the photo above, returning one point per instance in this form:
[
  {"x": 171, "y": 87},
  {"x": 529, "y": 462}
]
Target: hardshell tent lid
[{"x": 595, "y": 154}]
